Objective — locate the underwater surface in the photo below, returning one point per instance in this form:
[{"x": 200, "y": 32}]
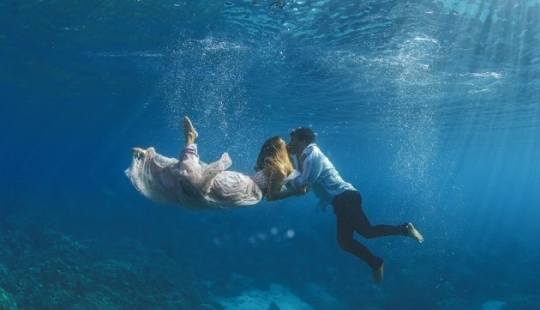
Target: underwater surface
[{"x": 431, "y": 109}]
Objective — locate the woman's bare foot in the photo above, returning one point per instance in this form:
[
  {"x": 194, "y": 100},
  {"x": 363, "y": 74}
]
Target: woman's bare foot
[
  {"x": 138, "y": 152},
  {"x": 189, "y": 131},
  {"x": 413, "y": 233}
]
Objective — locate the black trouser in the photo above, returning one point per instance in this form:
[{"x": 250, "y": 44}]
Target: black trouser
[{"x": 351, "y": 218}]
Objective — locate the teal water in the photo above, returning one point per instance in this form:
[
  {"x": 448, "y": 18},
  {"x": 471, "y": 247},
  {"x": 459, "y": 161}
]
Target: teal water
[{"x": 430, "y": 108}]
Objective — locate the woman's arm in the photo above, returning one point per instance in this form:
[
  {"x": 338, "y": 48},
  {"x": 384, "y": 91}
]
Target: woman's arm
[{"x": 275, "y": 192}]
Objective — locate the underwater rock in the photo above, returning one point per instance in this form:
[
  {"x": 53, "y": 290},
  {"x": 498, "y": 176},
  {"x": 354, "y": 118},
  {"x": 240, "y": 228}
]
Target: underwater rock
[
  {"x": 277, "y": 294},
  {"x": 493, "y": 305},
  {"x": 522, "y": 302},
  {"x": 273, "y": 306},
  {"x": 7, "y": 302}
]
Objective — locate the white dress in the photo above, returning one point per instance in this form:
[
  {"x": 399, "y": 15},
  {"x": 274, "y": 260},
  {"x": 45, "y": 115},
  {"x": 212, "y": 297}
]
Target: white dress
[{"x": 192, "y": 183}]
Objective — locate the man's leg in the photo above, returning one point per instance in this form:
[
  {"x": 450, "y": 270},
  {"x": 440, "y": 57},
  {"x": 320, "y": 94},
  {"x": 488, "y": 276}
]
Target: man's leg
[
  {"x": 363, "y": 226},
  {"x": 345, "y": 230}
]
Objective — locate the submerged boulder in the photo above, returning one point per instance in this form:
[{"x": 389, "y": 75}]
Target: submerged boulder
[{"x": 7, "y": 302}]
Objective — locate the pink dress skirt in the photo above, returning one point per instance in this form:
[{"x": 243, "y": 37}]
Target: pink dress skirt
[{"x": 190, "y": 182}]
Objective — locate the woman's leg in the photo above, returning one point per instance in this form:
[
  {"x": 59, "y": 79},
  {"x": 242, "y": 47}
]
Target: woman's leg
[{"x": 190, "y": 134}]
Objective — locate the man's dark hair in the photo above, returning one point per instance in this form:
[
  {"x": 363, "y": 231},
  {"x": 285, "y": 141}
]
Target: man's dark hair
[{"x": 304, "y": 134}]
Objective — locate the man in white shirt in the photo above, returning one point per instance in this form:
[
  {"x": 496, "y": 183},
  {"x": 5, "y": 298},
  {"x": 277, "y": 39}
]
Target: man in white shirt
[{"x": 318, "y": 173}]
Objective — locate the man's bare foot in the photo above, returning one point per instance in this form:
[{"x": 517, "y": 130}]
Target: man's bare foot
[
  {"x": 413, "y": 233},
  {"x": 378, "y": 275},
  {"x": 189, "y": 131}
]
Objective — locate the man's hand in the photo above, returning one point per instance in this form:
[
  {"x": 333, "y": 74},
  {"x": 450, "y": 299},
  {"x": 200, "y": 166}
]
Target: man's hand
[{"x": 301, "y": 190}]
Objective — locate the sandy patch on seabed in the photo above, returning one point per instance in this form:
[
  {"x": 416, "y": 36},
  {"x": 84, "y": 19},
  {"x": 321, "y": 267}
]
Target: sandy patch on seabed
[{"x": 276, "y": 297}]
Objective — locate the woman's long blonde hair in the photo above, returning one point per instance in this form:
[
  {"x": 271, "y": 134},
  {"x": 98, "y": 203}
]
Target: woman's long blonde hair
[{"x": 274, "y": 156}]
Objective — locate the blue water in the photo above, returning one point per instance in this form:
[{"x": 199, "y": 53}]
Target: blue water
[{"x": 430, "y": 108}]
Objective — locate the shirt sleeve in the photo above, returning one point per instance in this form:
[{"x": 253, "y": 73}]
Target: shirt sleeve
[{"x": 311, "y": 170}]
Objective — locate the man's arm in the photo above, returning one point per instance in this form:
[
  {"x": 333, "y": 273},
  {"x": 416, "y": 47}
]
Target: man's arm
[
  {"x": 278, "y": 195},
  {"x": 311, "y": 170},
  {"x": 275, "y": 192}
]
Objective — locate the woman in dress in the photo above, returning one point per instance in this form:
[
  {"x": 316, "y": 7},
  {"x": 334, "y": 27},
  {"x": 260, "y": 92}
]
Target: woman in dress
[{"x": 196, "y": 185}]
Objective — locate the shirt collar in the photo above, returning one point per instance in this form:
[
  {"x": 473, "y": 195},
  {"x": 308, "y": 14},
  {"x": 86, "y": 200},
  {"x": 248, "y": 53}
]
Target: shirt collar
[{"x": 307, "y": 151}]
